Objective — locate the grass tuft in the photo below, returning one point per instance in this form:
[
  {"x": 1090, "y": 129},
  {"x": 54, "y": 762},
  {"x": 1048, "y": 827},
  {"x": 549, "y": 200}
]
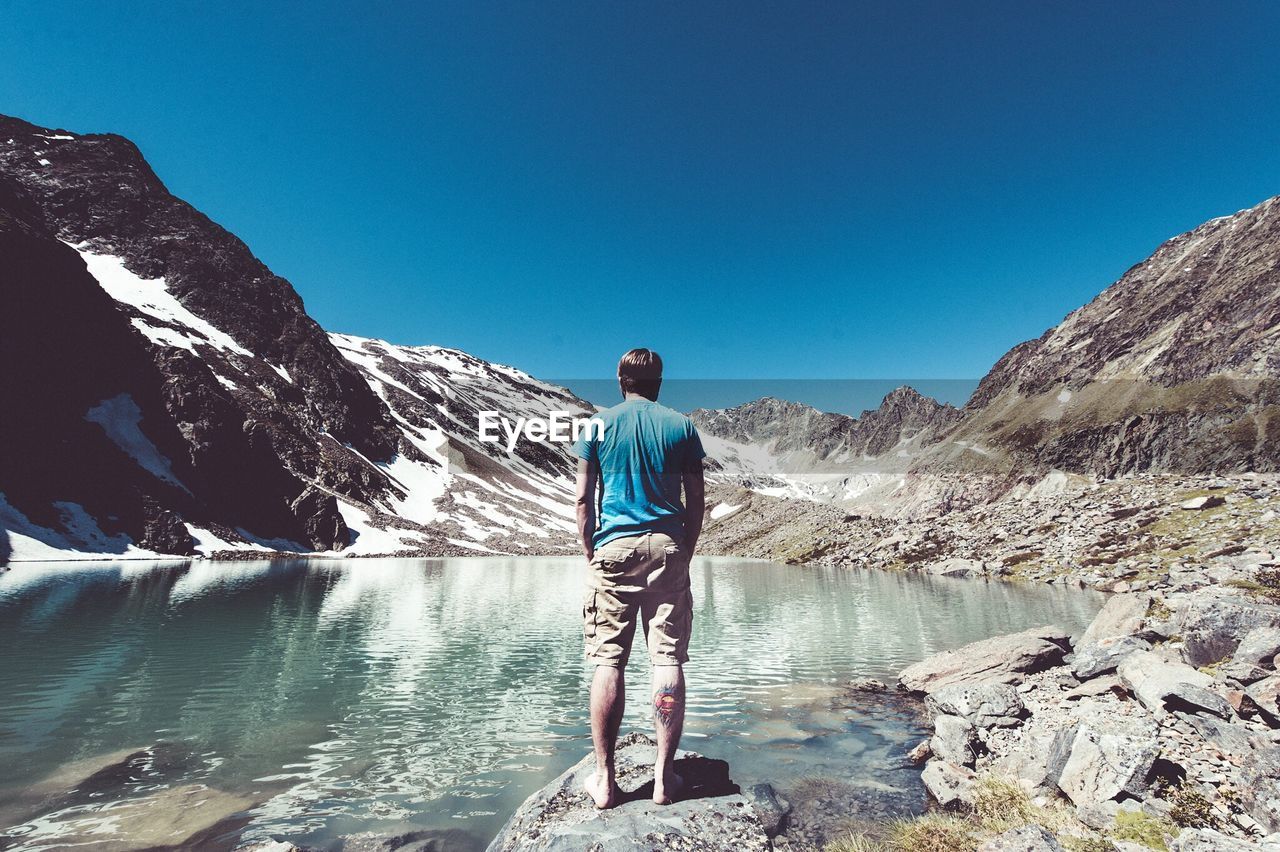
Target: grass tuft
[
  {"x": 933, "y": 832},
  {"x": 1144, "y": 829}
]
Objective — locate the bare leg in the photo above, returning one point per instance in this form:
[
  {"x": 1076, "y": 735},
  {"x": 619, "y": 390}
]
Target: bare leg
[
  {"x": 608, "y": 695},
  {"x": 668, "y": 719}
]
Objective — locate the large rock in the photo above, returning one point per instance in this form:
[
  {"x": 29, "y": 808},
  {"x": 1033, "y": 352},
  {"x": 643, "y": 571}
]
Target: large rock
[
  {"x": 1266, "y": 694},
  {"x": 1111, "y": 754},
  {"x": 950, "y": 785},
  {"x": 954, "y": 740},
  {"x": 956, "y": 567},
  {"x": 1028, "y": 838},
  {"x": 985, "y": 705},
  {"x": 1121, "y": 615},
  {"x": 1208, "y": 840},
  {"x": 1260, "y": 787},
  {"x": 1103, "y": 655},
  {"x": 1156, "y": 681},
  {"x": 1039, "y": 758},
  {"x": 1002, "y": 659},
  {"x": 712, "y": 811},
  {"x": 1258, "y": 647},
  {"x": 1212, "y": 627},
  {"x": 1254, "y": 655}
]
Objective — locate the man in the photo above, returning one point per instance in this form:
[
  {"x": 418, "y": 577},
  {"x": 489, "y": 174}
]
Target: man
[{"x": 638, "y": 548}]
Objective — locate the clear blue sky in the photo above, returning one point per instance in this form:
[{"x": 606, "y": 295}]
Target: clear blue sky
[{"x": 757, "y": 190}]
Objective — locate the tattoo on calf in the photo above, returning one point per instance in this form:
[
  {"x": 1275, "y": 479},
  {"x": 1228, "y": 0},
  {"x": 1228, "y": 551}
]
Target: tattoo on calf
[{"x": 666, "y": 701}]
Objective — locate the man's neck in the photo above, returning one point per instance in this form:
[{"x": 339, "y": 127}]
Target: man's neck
[{"x": 636, "y": 397}]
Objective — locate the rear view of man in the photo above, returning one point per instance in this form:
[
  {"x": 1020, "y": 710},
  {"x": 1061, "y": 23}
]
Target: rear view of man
[{"x": 638, "y": 538}]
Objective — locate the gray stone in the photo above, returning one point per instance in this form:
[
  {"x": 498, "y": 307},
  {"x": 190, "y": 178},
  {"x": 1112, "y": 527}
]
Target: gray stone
[
  {"x": 957, "y": 567},
  {"x": 1212, "y": 626},
  {"x": 1100, "y": 816},
  {"x": 414, "y": 841},
  {"x": 1208, "y": 840},
  {"x": 1260, "y": 787},
  {"x": 770, "y": 807},
  {"x": 1259, "y": 646},
  {"x": 868, "y": 684},
  {"x": 919, "y": 753},
  {"x": 954, "y": 740},
  {"x": 1028, "y": 838},
  {"x": 1111, "y": 754},
  {"x": 1232, "y": 739},
  {"x": 1266, "y": 694},
  {"x": 1153, "y": 678},
  {"x": 1196, "y": 699},
  {"x": 1103, "y": 655},
  {"x": 950, "y": 785},
  {"x": 1121, "y": 615},
  {"x": 561, "y": 817},
  {"x": 1038, "y": 760},
  {"x": 986, "y": 705},
  {"x": 1004, "y": 659}
]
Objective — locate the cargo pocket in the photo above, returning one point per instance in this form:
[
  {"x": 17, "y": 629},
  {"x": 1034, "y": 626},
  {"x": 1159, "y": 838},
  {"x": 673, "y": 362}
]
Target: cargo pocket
[{"x": 590, "y": 620}]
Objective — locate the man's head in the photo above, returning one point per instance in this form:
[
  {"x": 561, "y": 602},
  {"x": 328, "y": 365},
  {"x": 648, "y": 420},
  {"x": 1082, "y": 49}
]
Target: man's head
[{"x": 640, "y": 371}]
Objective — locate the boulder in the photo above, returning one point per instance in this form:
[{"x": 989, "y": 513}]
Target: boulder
[
  {"x": 1103, "y": 655},
  {"x": 1266, "y": 695},
  {"x": 1110, "y": 754},
  {"x": 1153, "y": 679},
  {"x": 1258, "y": 647},
  {"x": 950, "y": 785},
  {"x": 957, "y": 567},
  {"x": 561, "y": 817},
  {"x": 1121, "y": 615},
  {"x": 1212, "y": 626},
  {"x": 919, "y": 753},
  {"x": 1260, "y": 787},
  {"x": 1039, "y": 758},
  {"x": 1003, "y": 659},
  {"x": 954, "y": 740},
  {"x": 985, "y": 705},
  {"x": 770, "y": 807},
  {"x": 1208, "y": 840},
  {"x": 1197, "y": 699},
  {"x": 1028, "y": 838}
]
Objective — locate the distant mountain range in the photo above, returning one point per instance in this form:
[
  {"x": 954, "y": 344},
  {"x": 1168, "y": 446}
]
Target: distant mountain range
[{"x": 166, "y": 393}]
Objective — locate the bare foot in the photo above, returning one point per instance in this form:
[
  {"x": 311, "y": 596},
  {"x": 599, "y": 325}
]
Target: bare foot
[
  {"x": 603, "y": 791},
  {"x": 666, "y": 787}
]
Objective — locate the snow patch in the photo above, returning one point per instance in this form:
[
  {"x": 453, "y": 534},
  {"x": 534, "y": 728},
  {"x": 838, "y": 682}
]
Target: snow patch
[
  {"x": 723, "y": 510},
  {"x": 120, "y": 417},
  {"x": 151, "y": 297}
]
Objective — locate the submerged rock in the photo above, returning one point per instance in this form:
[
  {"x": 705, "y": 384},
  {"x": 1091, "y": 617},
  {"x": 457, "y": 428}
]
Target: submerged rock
[{"x": 711, "y": 814}]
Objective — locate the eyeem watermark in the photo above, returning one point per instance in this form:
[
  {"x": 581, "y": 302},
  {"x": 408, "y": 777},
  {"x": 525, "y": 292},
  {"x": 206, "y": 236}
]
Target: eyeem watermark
[{"x": 558, "y": 427}]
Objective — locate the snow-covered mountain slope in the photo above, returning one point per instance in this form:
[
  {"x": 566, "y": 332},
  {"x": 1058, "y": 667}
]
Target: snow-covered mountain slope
[
  {"x": 787, "y": 449},
  {"x": 477, "y": 492},
  {"x": 167, "y": 394}
]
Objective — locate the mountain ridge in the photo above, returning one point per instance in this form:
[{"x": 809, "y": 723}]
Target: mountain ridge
[{"x": 175, "y": 397}]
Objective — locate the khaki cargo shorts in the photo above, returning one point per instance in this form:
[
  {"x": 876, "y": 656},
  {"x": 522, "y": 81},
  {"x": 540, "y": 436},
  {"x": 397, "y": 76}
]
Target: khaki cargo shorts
[{"x": 646, "y": 578}]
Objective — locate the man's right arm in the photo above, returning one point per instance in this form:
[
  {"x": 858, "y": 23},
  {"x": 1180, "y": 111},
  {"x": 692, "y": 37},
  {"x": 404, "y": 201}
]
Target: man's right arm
[
  {"x": 585, "y": 505},
  {"x": 695, "y": 504}
]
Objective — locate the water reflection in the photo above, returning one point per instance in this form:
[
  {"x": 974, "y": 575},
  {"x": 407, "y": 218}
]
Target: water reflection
[{"x": 386, "y": 695}]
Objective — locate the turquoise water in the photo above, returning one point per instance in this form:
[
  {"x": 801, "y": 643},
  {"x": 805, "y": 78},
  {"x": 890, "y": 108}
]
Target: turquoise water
[{"x": 317, "y": 699}]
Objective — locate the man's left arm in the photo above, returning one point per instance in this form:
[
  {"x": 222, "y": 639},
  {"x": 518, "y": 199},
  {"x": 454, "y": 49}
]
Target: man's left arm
[
  {"x": 585, "y": 505},
  {"x": 695, "y": 504}
]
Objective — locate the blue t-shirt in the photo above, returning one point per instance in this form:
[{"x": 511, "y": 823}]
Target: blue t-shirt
[{"x": 645, "y": 449}]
